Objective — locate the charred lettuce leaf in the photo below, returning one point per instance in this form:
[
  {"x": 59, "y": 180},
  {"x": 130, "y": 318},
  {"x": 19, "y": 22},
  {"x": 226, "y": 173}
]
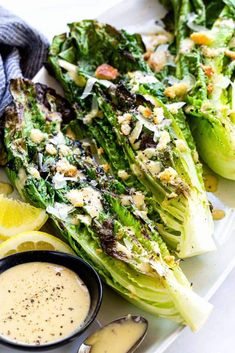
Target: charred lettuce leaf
[
  {"x": 58, "y": 172},
  {"x": 91, "y": 44}
]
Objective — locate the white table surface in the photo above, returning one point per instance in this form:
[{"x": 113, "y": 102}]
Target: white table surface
[{"x": 50, "y": 17}]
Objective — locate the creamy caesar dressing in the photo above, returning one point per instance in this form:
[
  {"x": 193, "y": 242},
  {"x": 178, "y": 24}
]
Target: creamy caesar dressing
[
  {"x": 117, "y": 337},
  {"x": 211, "y": 182},
  {"x": 41, "y": 303},
  {"x": 218, "y": 214}
]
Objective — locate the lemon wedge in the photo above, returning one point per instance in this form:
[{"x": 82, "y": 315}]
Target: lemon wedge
[
  {"x": 34, "y": 240},
  {"x": 17, "y": 217}
]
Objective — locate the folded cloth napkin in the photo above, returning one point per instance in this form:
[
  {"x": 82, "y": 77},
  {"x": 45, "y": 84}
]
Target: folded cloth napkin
[{"x": 22, "y": 52}]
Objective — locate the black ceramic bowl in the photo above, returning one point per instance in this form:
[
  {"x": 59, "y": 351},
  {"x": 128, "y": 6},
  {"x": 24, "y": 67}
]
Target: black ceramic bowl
[{"x": 74, "y": 263}]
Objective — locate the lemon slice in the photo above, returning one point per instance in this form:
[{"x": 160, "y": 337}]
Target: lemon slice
[
  {"x": 17, "y": 217},
  {"x": 34, "y": 240}
]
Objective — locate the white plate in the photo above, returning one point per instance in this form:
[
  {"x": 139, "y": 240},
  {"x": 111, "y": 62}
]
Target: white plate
[{"x": 205, "y": 272}]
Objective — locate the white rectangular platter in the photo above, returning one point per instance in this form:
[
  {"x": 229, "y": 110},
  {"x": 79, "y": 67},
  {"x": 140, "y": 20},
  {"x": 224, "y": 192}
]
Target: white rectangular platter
[{"x": 205, "y": 272}]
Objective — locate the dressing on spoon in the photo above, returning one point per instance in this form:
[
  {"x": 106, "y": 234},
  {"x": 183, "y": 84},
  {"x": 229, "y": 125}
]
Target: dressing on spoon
[{"x": 120, "y": 336}]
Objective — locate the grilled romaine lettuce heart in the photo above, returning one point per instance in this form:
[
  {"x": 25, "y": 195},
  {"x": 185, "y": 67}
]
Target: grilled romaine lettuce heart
[
  {"x": 205, "y": 32},
  {"x": 55, "y": 171},
  {"x": 124, "y": 112}
]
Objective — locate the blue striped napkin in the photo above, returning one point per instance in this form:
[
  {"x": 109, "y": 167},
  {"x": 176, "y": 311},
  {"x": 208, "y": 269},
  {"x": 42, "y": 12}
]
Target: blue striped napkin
[{"x": 22, "y": 52}]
